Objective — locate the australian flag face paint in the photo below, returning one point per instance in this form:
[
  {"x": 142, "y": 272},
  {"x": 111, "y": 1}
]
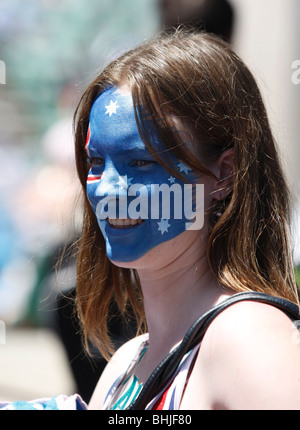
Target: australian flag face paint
[{"x": 138, "y": 204}]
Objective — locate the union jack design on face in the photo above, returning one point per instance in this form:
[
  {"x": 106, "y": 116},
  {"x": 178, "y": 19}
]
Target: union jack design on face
[
  {"x": 91, "y": 176},
  {"x": 87, "y": 140}
]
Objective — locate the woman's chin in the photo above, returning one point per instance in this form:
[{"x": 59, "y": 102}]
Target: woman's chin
[{"x": 158, "y": 255}]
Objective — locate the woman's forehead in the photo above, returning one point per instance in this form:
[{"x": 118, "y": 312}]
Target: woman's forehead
[
  {"x": 113, "y": 107},
  {"x": 112, "y": 119},
  {"x": 112, "y": 122}
]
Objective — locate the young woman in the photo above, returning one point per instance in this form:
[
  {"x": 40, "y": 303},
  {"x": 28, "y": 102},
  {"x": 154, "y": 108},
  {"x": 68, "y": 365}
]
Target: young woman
[{"x": 184, "y": 109}]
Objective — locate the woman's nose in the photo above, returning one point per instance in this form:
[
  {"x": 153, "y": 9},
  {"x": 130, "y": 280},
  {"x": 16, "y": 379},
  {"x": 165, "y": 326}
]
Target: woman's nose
[
  {"x": 112, "y": 183},
  {"x": 111, "y": 194}
]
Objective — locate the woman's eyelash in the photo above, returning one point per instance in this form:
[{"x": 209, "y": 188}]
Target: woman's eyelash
[
  {"x": 143, "y": 163},
  {"x": 96, "y": 161}
]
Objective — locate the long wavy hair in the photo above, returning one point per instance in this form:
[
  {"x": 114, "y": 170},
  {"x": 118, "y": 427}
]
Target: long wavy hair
[{"x": 198, "y": 79}]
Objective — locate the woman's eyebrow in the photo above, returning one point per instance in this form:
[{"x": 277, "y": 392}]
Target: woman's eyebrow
[
  {"x": 140, "y": 151},
  {"x": 135, "y": 150}
]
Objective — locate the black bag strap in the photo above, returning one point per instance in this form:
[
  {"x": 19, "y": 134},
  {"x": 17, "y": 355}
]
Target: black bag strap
[{"x": 165, "y": 370}]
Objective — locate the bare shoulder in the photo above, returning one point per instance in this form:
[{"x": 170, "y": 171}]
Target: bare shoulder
[
  {"x": 249, "y": 359},
  {"x": 117, "y": 365},
  {"x": 255, "y": 320}
]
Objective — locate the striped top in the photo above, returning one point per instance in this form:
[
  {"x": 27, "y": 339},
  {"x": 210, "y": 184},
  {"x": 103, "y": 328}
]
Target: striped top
[{"x": 127, "y": 387}]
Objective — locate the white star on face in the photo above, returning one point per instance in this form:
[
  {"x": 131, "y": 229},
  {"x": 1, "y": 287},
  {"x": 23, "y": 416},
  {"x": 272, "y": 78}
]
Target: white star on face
[
  {"x": 124, "y": 182},
  {"x": 163, "y": 226},
  {"x": 111, "y": 108},
  {"x": 171, "y": 179},
  {"x": 183, "y": 167}
]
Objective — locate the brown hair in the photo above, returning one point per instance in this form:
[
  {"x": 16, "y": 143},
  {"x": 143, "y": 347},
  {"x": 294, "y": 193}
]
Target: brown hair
[{"x": 198, "y": 79}]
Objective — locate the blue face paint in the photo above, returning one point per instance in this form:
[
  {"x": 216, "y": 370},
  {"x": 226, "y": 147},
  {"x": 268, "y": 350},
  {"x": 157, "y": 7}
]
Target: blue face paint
[{"x": 138, "y": 204}]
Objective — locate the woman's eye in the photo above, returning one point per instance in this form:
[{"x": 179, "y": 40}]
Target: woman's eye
[
  {"x": 143, "y": 163},
  {"x": 96, "y": 161}
]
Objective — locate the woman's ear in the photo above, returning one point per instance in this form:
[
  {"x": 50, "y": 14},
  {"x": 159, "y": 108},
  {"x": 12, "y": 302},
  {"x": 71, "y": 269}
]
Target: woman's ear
[{"x": 224, "y": 172}]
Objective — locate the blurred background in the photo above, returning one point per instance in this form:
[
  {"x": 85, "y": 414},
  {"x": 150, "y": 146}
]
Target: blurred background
[{"x": 50, "y": 50}]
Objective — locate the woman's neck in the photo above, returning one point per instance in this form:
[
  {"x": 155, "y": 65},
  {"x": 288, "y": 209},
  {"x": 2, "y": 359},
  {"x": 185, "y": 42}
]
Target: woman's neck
[{"x": 176, "y": 294}]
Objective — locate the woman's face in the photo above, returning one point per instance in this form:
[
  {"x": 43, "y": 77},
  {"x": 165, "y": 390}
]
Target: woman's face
[{"x": 138, "y": 204}]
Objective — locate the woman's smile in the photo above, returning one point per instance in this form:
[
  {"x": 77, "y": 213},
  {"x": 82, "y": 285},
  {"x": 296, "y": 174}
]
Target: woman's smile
[{"x": 124, "y": 223}]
